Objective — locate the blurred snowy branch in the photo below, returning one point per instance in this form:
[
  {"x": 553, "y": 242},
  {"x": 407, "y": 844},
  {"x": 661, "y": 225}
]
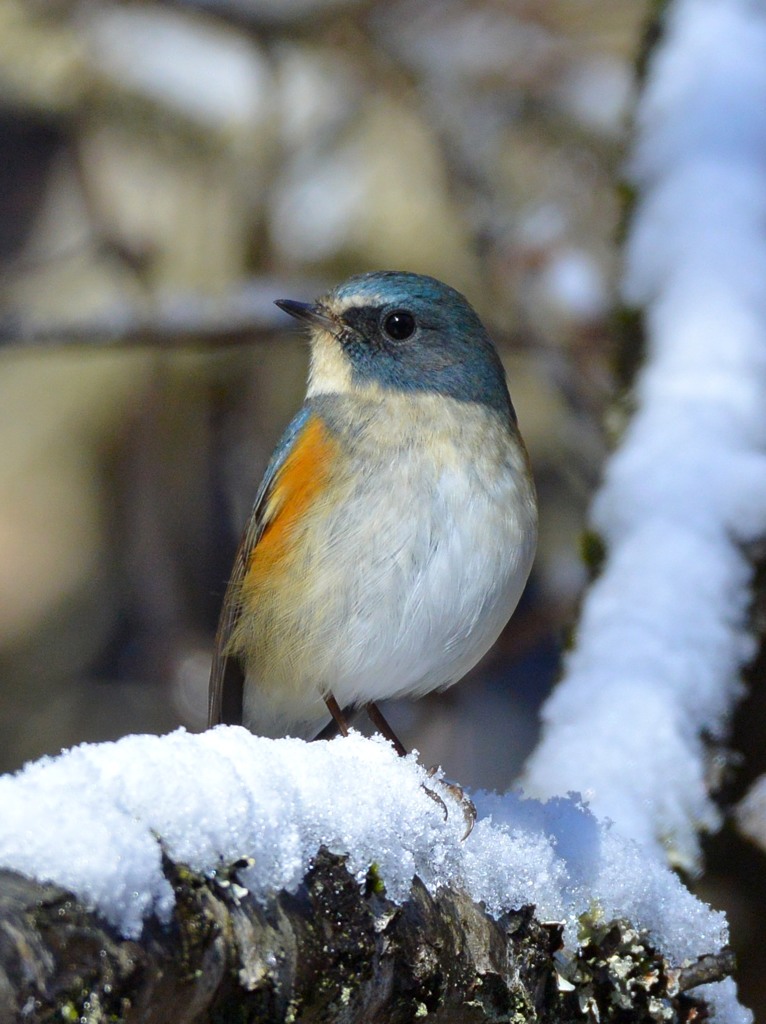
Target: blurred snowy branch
[
  {"x": 247, "y": 315},
  {"x": 664, "y": 631}
]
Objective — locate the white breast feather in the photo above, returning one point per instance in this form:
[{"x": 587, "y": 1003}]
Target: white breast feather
[{"x": 413, "y": 590}]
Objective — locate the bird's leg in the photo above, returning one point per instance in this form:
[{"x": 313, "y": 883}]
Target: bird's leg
[
  {"x": 332, "y": 729},
  {"x": 377, "y": 719},
  {"x": 340, "y": 719}
]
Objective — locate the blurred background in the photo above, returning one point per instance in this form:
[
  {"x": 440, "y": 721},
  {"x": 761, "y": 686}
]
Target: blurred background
[{"x": 167, "y": 169}]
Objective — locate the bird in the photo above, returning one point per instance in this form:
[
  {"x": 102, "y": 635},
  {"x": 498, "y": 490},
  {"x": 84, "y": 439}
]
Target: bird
[{"x": 395, "y": 527}]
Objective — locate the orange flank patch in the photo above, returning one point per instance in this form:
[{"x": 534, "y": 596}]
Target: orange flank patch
[{"x": 300, "y": 482}]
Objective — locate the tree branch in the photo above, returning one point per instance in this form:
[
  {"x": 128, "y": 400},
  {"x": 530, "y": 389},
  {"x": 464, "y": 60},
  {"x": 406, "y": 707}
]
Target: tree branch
[{"x": 333, "y": 951}]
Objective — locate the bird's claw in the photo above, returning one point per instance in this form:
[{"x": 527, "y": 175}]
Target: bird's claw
[
  {"x": 457, "y": 793},
  {"x": 436, "y": 799}
]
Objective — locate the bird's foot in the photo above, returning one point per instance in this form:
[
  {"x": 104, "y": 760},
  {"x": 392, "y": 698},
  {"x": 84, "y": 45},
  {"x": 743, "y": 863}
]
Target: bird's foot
[
  {"x": 457, "y": 793},
  {"x": 436, "y": 799}
]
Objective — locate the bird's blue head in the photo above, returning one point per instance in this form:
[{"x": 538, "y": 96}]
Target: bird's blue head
[{"x": 402, "y": 332}]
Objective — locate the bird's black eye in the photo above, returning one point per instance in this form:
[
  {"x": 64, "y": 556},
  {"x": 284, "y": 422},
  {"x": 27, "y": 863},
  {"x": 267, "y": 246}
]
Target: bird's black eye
[{"x": 399, "y": 325}]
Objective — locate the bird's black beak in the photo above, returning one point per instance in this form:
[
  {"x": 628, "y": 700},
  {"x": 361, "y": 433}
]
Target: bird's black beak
[{"x": 305, "y": 311}]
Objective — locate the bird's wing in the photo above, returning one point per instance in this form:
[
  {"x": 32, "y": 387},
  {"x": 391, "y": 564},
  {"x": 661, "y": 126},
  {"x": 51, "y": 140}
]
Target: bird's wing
[{"x": 226, "y": 674}]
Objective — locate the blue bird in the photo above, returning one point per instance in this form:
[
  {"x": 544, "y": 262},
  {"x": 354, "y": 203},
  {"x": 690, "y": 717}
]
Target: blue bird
[{"x": 395, "y": 528}]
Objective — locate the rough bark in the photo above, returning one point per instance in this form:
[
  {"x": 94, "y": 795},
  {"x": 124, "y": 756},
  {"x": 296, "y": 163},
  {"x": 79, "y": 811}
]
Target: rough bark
[{"x": 333, "y": 951}]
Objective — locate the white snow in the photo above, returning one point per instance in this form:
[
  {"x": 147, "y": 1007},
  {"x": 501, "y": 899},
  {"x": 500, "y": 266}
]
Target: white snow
[
  {"x": 97, "y": 818},
  {"x": 751, "y": 812},
  {"x": 211, "y": 75},
  {"x": 663, "y": 633},
  {"x": 574, "y": 283},
  {"x": 596, "y": 90}
]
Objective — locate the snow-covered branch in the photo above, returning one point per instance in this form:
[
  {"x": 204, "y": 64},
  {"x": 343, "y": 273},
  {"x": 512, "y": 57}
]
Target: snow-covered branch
[
  {"x": 664, "y": 631},
  {"x": 224, "y": 866},
  {"x": 332, "y": 951}
]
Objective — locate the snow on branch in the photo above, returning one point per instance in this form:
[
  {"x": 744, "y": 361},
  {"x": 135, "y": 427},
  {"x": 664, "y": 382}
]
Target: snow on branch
[
  {"x": 242, "y": 862},
  {"x": 664, "y": 630}
]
